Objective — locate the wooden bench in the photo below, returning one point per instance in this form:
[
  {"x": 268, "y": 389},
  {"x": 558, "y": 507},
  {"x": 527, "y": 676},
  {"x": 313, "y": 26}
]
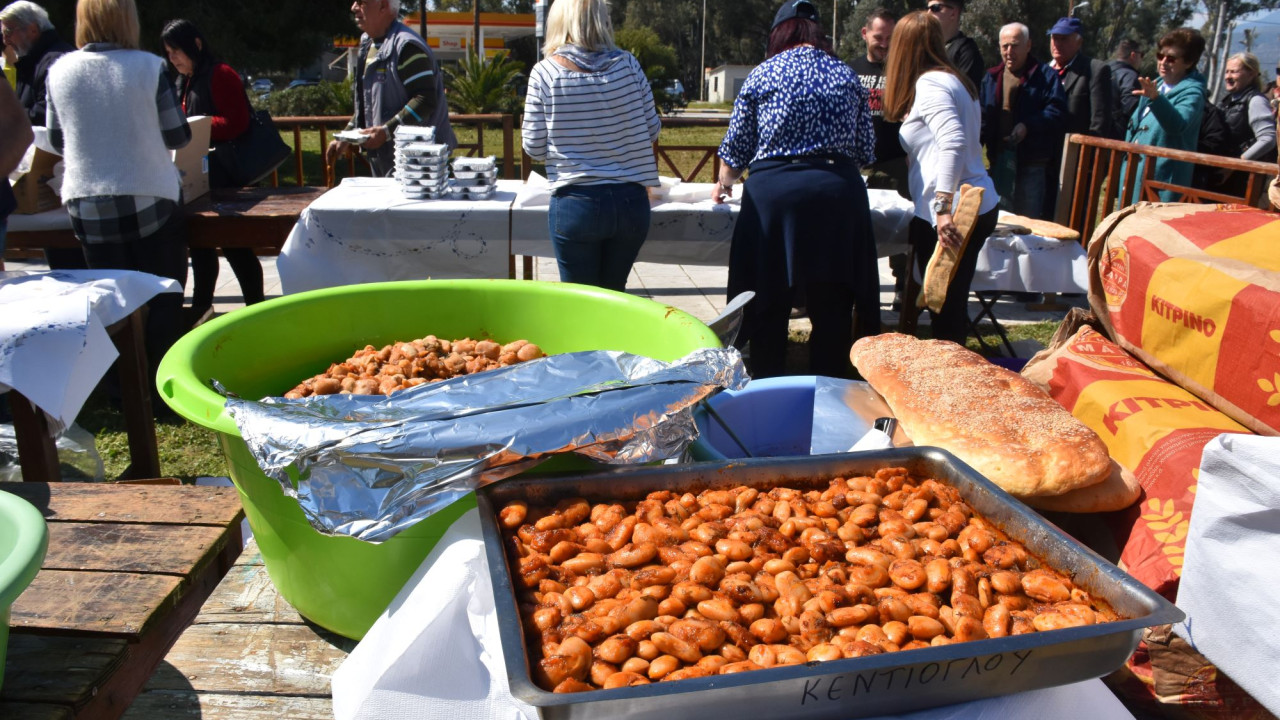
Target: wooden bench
[
  {"x": 247, "y": 655},
  {"x": 128, "y": 567}
]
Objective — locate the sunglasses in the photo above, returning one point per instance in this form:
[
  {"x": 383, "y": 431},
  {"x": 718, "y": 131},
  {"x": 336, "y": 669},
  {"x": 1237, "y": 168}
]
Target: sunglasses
[
  {"x": 1167, "y": 56},
  {"x": 938, "y": 7}
]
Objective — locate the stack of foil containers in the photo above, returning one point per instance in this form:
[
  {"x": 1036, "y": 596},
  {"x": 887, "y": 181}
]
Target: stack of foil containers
[
  {"x": 422, "y": 165},
  {"x": 474, "y": 178}
]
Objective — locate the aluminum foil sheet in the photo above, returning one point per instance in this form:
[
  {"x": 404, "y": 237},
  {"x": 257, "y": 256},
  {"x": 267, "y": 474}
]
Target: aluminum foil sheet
[
  {"x": 843, "y": 412},
  {"x": 369, "y": 466}
]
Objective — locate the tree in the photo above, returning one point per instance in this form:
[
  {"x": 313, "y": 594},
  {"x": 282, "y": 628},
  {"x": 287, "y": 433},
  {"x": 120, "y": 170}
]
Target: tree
[
  {"x": 658, "y": 61},
  {"x": 736, "y": 30},
  {"x": 1222, "y": 13},
  {"x": 488, "y": 86},
  {"x": 250, "y": 36}
]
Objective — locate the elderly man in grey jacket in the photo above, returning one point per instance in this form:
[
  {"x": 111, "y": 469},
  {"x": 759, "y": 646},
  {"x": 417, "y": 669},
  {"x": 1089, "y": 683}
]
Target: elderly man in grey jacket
[{"x": 397, "y": 82}]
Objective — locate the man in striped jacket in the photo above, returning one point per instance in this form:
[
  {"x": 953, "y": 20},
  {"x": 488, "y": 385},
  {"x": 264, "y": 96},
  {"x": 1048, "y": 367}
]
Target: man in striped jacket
[{"x": 397, "y": 82}]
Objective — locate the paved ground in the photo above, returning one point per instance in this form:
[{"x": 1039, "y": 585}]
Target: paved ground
[{"x": 698, "y": 290}]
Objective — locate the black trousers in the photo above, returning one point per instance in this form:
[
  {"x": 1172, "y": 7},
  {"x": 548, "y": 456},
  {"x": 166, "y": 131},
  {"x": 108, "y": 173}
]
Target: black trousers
[
  {"x": 204, "y": 275},
  {"x": 952, "y": 323},
  {"x": 163, "y": 253}
]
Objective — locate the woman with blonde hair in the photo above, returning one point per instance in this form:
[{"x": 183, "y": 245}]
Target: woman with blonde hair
[
  {"x": 941, "y": 124},
  {"x": 589, "y": 115},
  {"x": 113, "y": 116},
  {"x": 1251, "y": 126}
]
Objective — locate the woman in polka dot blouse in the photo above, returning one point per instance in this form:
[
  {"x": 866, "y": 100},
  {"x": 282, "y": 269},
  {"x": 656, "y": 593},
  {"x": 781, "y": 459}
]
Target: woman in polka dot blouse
[{"x": 802, "y": 127}]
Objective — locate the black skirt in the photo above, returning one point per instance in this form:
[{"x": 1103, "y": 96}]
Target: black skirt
[{"x": 805, "y": 220}]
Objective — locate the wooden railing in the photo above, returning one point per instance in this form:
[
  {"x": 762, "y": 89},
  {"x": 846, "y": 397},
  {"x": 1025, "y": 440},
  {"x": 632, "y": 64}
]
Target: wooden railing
[
  {"x": 687, "y": 168},
  {"x": 324, "y": 125},
  {"x": 704, "y": 153},
  {"x": 1094, "y": 186}
]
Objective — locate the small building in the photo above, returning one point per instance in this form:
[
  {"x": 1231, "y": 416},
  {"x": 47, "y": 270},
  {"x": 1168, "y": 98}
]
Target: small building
[{"x": 724, "y": 82}]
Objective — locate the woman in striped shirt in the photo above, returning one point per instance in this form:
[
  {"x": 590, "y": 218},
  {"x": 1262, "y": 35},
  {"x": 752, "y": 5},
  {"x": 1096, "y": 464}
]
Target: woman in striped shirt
[{"x": 589, "y": 115}]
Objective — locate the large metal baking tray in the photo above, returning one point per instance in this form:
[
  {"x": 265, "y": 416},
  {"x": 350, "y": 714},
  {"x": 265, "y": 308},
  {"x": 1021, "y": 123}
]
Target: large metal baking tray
[{"x": 856, "y": 687}]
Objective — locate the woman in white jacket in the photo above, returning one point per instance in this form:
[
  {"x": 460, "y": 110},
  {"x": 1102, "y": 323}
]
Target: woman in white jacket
[
  {"x": 113, "y": 116},
  {"x": 589, "y": 115},
  {"x": 941, "y": 123}
]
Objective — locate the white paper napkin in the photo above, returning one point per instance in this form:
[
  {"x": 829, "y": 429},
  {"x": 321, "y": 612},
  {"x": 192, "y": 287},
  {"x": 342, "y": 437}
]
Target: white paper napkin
[
  {"x": 536, "y": 192},
  {"x": 435, "y": 653},
  {"x": 1230, "y": 586}
]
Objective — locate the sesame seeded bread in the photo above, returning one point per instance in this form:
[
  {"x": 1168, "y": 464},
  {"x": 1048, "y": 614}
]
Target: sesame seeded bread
[{"x": 995, "y": 420}]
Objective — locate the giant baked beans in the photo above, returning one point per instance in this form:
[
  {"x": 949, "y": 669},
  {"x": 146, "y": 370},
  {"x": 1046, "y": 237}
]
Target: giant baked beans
[{"x": 681, "y": 585}]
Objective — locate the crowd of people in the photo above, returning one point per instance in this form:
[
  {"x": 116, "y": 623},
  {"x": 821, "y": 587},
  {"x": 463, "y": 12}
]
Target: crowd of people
[
  {"x": 934, "y": 105},
  {"x": 914, "y": 114}
]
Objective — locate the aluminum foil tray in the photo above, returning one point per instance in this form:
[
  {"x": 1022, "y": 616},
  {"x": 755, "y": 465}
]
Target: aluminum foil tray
[{"x": 856, "y": 687}]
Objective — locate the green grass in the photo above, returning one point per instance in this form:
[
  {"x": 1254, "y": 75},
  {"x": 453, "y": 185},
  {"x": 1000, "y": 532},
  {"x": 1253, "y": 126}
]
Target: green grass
[
  {"x": 187, "y": 451},
  {"x": 699, "y": 105}
]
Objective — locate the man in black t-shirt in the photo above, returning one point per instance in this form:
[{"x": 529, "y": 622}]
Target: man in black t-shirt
[
  {"x": 891, "y": 159},
  {"x": 889, "y": 171}
]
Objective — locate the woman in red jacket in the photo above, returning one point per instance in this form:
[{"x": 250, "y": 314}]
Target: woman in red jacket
[{"x": 207, "y": 86}]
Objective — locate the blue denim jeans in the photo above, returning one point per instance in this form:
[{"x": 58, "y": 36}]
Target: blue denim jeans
[{"x": 597, "y": 231}]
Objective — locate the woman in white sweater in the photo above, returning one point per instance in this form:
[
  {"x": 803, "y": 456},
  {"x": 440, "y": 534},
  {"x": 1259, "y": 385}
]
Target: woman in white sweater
[
  {"x": 941, "y": 123},
  {"x": 589, "y": 115},
  {"x": 113, "y": 115}
]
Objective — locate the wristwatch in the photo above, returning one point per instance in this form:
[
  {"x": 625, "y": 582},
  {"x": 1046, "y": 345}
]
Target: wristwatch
[{"x": 940, "y": 205}]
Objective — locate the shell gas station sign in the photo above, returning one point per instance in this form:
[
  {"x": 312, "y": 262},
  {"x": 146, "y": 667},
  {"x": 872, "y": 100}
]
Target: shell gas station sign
[{"x": 450, "y": 34}]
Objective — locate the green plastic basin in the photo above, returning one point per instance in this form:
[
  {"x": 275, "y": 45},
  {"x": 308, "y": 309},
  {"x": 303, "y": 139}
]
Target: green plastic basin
[
  {"x": 340, "y": 583},
  {"x": 23, "y": 542}
]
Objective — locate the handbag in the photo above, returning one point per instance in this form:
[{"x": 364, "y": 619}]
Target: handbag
[{"x": 251, "y": 157}]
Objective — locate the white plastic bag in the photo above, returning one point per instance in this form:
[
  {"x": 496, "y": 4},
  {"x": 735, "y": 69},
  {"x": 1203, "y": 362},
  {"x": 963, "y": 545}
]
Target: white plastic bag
[{"x": 77, "y": 454}]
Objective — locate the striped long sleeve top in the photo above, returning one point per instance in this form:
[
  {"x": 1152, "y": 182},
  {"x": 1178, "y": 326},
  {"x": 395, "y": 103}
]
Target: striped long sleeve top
[{"x": 592, "y": 127}]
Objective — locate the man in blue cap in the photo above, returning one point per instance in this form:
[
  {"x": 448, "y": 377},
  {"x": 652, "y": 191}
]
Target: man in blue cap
[{"x": 1086, "y": 81}]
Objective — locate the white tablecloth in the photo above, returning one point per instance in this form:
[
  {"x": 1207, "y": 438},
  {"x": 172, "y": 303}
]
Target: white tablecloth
[
  {"x": 1030, "y": 263},
  {"x": 435, "y": 654},
  {"x": 696, "y": 231},
  {"x": 365, "y": 230},
  {"x": 54, "y": 346}
]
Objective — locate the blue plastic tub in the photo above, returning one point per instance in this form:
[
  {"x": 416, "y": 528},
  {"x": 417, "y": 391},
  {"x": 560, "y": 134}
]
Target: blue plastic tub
[{"x": 773, "y": 417}]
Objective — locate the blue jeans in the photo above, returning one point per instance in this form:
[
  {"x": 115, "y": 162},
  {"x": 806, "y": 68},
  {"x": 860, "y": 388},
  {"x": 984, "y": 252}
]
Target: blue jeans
[{"x": 597, "y": 231}]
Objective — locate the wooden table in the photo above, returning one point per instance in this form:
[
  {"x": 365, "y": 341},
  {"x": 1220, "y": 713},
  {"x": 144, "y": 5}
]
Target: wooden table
[
  {"x": 259, "y": 217},
  {"x": 38, "y": 449},
  {"x": 128, "y": 568},
  {"x": 247, "y": 655}
]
